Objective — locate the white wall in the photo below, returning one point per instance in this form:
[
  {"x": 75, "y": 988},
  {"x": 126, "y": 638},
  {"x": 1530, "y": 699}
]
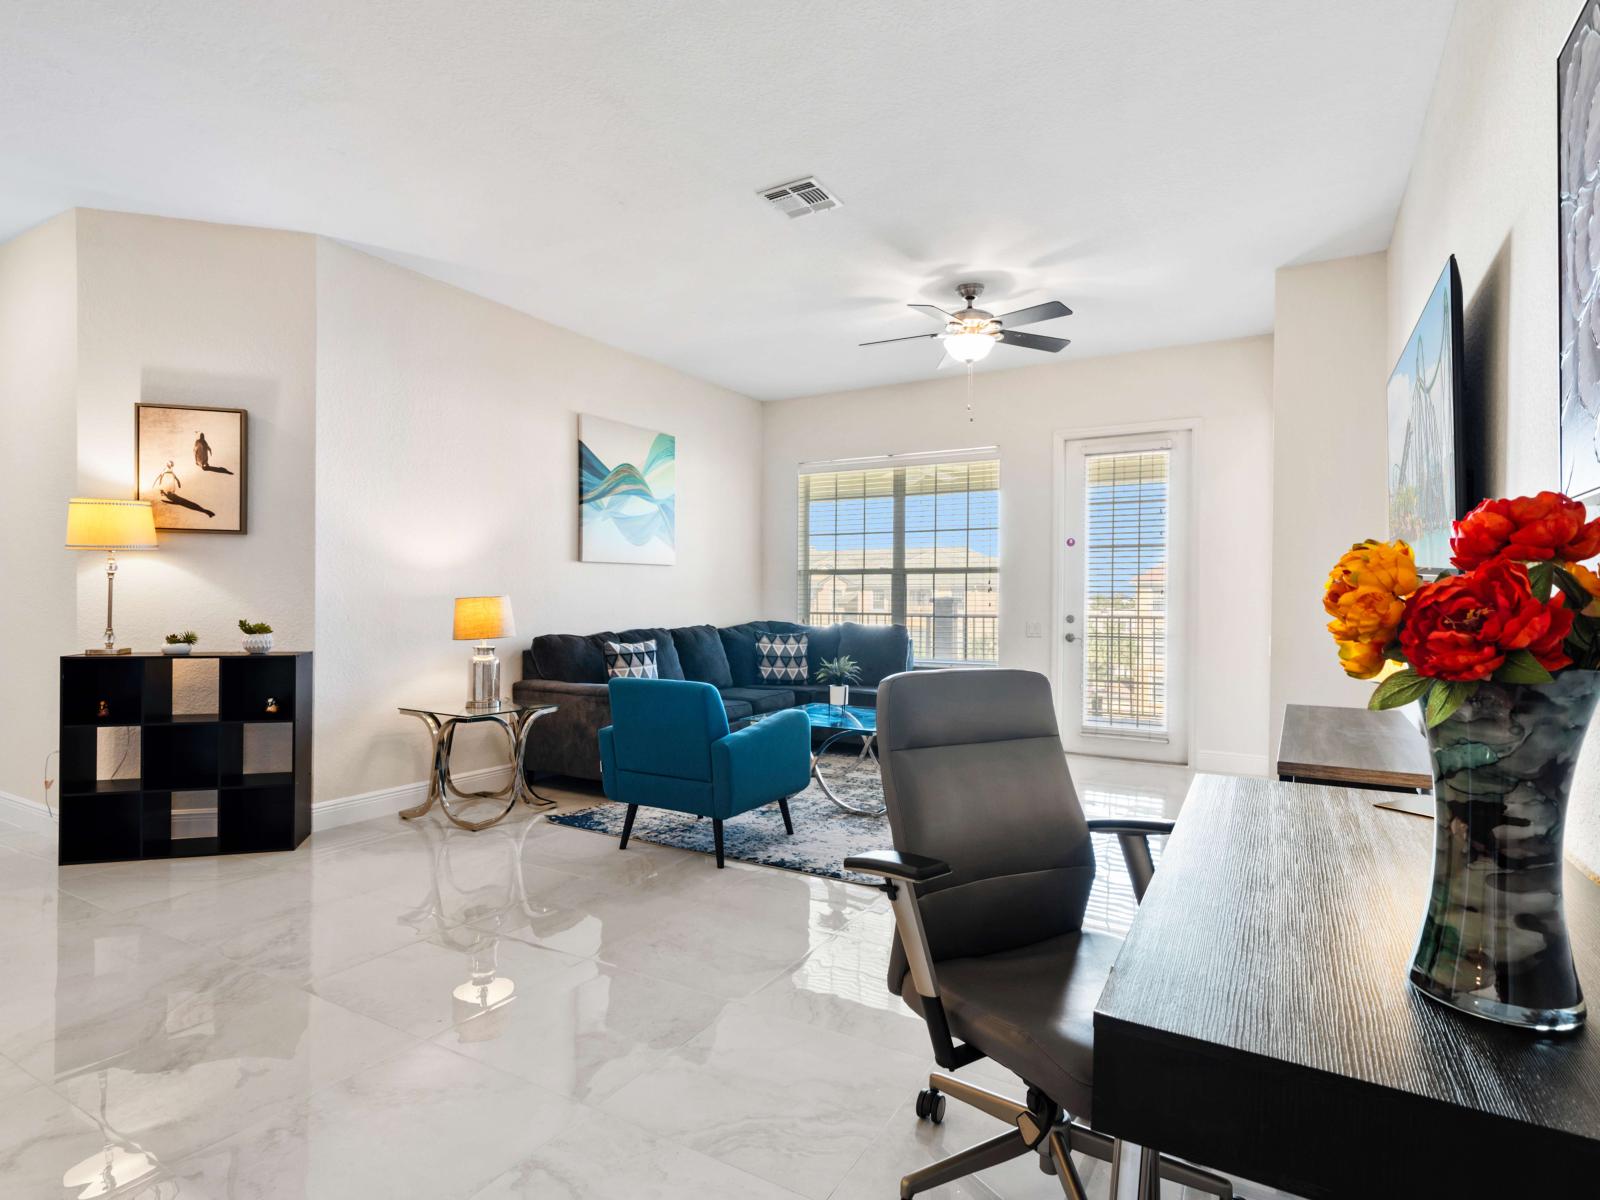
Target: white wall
[
  {"x": 182, "y": 312},
  {"x": 38, "y": 366},
  {"x": 1226, "y": 385},
  {"x": 1329, "y": 448},
  {"x": 1483, "y": 187},
  {"x": 447, "y": 465}
]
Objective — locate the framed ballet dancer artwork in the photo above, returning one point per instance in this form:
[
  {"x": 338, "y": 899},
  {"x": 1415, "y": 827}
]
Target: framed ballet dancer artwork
[{"x": 193, "y": 466}]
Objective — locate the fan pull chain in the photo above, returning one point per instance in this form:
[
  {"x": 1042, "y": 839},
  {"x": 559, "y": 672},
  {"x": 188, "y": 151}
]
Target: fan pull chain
[{"x": 969, "y": 392}]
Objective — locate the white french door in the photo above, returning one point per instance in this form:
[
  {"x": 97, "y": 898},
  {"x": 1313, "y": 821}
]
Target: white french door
[{"x": 1122, "y": 688}]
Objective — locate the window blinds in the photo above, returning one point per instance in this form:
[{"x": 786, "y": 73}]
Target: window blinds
[
  {"x": 912, "y": 541},
  {"x": 1125, "y": 593}
]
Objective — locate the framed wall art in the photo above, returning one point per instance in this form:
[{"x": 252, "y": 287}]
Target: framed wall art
[{"x": 193, "y": 466}]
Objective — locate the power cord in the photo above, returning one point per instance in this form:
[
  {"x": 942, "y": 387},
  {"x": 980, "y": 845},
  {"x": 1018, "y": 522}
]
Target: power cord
[{"x": 49, "y": 782}]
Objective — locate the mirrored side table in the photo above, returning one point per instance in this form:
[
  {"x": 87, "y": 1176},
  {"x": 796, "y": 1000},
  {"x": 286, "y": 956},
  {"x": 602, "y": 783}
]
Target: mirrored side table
[{"x": 516, "y": 720}]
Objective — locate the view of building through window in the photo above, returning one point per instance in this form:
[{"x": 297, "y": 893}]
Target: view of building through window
[{"x": 915, "y": 545}]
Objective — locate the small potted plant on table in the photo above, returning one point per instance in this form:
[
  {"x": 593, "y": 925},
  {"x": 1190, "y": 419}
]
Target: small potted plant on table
[
  {"x": 839, "y": 673},
  {"x": 257, "y": 637},
  {"x": 180, "y": 643}
]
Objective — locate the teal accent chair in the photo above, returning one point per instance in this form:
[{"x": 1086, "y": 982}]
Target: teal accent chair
[{"x": 668, "y": 746}]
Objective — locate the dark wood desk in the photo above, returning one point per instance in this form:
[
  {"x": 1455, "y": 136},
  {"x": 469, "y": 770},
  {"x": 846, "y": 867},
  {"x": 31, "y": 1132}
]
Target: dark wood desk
[
  {"x": 1353, "y": 746},
  {"x": 1258, "y": 1019}
]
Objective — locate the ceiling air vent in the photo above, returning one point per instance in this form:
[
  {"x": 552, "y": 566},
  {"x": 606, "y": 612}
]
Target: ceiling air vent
[{"x": 800, "y": 198}]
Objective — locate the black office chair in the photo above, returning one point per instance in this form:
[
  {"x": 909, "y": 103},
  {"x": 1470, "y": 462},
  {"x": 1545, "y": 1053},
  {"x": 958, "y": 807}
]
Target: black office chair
[{"x": 989, "y": 879}]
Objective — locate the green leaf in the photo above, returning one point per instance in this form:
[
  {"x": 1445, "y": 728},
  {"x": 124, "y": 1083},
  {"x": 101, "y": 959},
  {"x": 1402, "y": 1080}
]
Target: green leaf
[
  {"x": 1542, "y": 575},
  {"x": 1400, "y": 688},
  {"x": 1522, "y": 667},
  {"x": 1445, "y": 697},
  {"x": 1577, "y": 595}
]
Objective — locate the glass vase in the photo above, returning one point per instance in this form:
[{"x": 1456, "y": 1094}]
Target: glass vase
[{"x": 1494, "y": 940}]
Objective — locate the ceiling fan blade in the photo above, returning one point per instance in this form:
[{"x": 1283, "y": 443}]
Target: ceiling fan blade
[
  {"x": 915, "y": 337},
  {"x": 1034, "y": 341},
  {"x": 946, "y": 361},
  {"x": 938, "y": 314},
  {"x": 1032, "y": 316}
]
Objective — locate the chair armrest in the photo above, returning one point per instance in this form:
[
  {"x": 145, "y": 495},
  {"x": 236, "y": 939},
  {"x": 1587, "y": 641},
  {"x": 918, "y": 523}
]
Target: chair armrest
[
  {"x": 762, "y": 762},
  {"x": 1121, "y": 825},
  {"x": 889, "y": 864},
  {"x": 1134, "y": 833}
]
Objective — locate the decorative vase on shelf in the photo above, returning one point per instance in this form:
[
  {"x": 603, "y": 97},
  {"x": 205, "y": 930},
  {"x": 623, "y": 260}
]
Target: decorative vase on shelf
[
  {"x": 257, "y": 643},
  {"x": 838, "y": 694},
  {"x": 1494, "y": 939},
  {"x": 176, "y": 648}
]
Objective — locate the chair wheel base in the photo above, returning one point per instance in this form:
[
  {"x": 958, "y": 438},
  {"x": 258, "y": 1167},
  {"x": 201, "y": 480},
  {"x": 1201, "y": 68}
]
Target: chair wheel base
[{"x": 930, "y": 1105}]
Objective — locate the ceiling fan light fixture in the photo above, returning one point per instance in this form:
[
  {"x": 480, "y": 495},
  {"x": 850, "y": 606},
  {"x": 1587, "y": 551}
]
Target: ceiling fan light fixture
[{"x": 968, "y": 347}]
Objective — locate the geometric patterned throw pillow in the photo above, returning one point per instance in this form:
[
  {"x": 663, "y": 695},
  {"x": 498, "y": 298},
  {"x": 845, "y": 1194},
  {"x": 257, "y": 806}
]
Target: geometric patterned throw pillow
[
  {"x": 781, "y": 657},
  {"x": 631, "y": 660}
]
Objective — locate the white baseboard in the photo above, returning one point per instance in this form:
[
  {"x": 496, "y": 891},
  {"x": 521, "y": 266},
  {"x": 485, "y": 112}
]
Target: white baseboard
[
  {"x": 1225, "y": 762},
  {"x": 347, "y": 810},
  {"x": 25, "y": 813},
  {"x": 327, "y": 814}
]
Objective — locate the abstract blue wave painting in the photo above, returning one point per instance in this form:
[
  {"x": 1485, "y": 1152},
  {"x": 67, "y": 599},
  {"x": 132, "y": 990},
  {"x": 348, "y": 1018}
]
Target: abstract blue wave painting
[{"x": 627, "y": 493}]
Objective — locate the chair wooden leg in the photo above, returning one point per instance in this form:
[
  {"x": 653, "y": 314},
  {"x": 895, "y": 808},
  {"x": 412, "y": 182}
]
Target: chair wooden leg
[
  {"x": 627, "y": 825},
  {"x": 716, "y": 833},
  {"x": 788, "y": 822}
]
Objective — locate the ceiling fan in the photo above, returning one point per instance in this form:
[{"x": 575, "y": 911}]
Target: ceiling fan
[{"x": 971, "y": 333}]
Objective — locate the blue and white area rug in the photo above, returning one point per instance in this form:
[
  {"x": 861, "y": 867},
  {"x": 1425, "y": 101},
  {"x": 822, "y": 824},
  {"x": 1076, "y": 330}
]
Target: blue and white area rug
[{"x": 823, "y": 837}]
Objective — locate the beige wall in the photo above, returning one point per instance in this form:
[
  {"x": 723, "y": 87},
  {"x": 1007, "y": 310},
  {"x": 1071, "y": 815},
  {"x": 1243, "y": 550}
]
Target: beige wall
[
  {"x": 38, "y": 367},
  {"x": 181, "y": 312},
  {"x": 1483, "y": 187},
  {"x": 1329, "y": 449},
  {"x": 447, "y": 465},
  {"x": 1226, "y": 385},
  {"x": 409, "y": 443}
]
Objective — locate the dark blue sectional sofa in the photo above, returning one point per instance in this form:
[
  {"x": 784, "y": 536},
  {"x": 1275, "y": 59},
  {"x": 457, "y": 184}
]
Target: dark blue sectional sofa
[{"x": 569, "y": 671}]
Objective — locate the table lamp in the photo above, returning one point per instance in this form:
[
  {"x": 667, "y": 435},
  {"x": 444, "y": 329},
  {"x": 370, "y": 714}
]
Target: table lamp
[
  {"x": 480, "y": 618},
  {"x": 110, "y": 525}
]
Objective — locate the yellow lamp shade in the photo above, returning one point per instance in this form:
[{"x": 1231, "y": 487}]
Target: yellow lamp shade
[
  {"x": 479, "y": 618},
  {"x": 110, "y": 524}
]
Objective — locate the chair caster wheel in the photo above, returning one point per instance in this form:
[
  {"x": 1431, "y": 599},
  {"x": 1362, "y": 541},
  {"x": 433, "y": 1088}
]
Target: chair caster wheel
[{"x": 930, "y": 1105}]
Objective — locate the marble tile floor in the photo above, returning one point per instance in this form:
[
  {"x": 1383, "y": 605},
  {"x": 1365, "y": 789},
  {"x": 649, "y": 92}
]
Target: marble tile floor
[{"x": 411, "y": 1010}]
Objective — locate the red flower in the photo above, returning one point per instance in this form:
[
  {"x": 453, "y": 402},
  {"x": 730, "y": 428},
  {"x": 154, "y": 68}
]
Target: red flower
[
  {"x": 1527, "y": 529},
  {"x": 1463, "y": 626}
]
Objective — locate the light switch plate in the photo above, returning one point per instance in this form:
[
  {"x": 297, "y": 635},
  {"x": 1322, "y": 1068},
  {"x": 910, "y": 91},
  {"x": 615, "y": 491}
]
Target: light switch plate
[{"x": 1032, "y": 629}]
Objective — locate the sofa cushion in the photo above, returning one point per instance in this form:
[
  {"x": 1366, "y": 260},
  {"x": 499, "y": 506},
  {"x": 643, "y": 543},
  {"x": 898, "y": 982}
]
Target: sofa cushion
[
  {"x": 631, "y": 660},
  {"x": 781, "y": 658},
  {"x": 701, "y": 654},
  {"x": 738, "y": 710},
  {"x": 760, "y": 699},
  {"x": 739, "y": 647},
  {"x": 667, "y": 664},
  {"x": 879, "y": 650},
  {"x": 571, "y": 657},
  {"x": 822, "y": 643}
]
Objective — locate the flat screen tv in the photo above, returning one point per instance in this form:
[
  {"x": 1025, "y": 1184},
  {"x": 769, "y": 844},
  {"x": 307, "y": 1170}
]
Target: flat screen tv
[{"x": 1427, "y": 479}]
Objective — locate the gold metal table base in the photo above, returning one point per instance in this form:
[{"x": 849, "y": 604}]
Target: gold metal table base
[{"x": 441, "y": 788}]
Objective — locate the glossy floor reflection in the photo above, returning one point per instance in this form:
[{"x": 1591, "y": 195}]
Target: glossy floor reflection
[{"x": 408, "y": 1010}]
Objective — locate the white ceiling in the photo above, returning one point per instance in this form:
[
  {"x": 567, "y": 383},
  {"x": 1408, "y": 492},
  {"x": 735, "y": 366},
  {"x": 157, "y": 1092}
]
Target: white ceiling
[{"x": 595, "y": 163}]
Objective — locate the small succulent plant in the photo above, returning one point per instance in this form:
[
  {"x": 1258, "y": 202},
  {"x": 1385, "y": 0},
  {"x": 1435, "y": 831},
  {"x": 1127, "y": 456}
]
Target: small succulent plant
[
  {"x": 255, "y": 627},
  {"x": 843, "y": 669},
  {"x": 187, "y": 638}
]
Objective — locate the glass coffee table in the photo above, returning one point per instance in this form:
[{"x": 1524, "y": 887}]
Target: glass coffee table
[{"x": 841, "y": 721}]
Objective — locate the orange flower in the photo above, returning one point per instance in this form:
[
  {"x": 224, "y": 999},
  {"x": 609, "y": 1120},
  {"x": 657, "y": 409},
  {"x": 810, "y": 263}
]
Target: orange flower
[
  {"x": 1388, "y": 566},
  {"x": 1360, "y": 660},
  {"x": 1591, "y": 584},
  {"x": 1366, "y": 614}
]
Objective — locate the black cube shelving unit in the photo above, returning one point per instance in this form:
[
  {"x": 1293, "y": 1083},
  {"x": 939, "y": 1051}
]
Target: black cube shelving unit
[{"x": 182, "y": 757}]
